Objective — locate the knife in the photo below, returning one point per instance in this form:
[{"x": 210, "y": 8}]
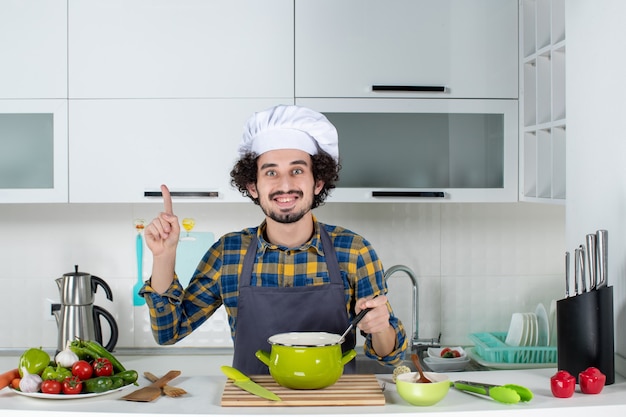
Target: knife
[
  {"x": 577, "y": 269},
  {"x": 602, "y": 237},
  {"x": 581, "y": 262},
  {"x": 246, "y": 384},
  {"x": 590, "y": 256},
  {"x": 567, "y": 278}
]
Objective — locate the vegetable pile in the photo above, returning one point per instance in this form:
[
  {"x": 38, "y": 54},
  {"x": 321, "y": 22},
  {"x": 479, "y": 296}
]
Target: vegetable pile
[
  {"x": 84, "y": 366},
  {"x": 450, "y": 353}
]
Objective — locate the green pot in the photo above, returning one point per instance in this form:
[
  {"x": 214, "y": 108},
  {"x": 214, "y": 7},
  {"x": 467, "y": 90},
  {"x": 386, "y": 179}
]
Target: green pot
[{"x": 305, "y": 360}]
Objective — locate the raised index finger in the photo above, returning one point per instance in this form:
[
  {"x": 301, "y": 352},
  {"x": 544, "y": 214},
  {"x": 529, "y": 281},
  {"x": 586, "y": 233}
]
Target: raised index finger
[{"x": 167, "y": 199}]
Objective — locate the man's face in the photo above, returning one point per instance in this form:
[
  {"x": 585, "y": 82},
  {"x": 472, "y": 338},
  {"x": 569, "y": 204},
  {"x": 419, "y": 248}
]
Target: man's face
[{"x": 285, "y": 186}]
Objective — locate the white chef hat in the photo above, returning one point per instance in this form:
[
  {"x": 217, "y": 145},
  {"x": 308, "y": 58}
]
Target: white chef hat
[{"x": 289, "y": 127}]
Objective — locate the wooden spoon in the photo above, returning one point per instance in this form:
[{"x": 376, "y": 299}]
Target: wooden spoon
[{"x": 422, "y": 377}]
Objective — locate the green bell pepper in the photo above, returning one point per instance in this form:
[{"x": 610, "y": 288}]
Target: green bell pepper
[
  {"x": 33, "y": 361},
  {"x": 58, "y": 374}
]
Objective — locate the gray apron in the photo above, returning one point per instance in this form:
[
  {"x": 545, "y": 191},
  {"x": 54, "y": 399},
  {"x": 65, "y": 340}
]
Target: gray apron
[{"x": 266, "y": 311}]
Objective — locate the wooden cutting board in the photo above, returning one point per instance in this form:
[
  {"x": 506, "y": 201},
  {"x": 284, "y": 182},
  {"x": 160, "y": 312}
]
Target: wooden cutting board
[{"x": 348, "y": 390}]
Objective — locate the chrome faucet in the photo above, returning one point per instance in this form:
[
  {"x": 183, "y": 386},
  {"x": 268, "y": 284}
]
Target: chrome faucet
[{"x": 416, "y": 343}]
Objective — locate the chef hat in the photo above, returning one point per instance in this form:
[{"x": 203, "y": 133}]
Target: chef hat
[{"x": 289, "y": 127}]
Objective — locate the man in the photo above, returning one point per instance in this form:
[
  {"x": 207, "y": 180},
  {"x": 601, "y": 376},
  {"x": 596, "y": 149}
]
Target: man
[{"x": 291, "y": 273}]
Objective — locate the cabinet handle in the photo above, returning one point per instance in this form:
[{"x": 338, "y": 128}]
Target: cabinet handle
[
  {"x": 211, "y": 194},
  {"x": 421, "y": 88},
  {"x": 423, "y": 194}
]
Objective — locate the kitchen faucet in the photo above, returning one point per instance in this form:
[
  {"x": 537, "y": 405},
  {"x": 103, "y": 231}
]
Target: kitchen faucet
[{"x": 416, "y": 343}]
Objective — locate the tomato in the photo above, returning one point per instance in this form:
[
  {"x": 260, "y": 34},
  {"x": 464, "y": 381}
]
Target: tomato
[
  {"x": 72, "y": 385},
  {"x": 591, "y": 380},
  {"x": 102, "y": 367},
  {"x": 51, "y": 386},
  {"x": 82, "y": 369},
  {"x": 444, "y": 351},
  {"x": 562, "y": 384}
]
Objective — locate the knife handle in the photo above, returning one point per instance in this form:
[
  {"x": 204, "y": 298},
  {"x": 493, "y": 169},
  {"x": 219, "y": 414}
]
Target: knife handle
[
  {"x": 590, "y": 255},
  {"x": 602, "y": 237},
  {"x": 234, "y": 374}
]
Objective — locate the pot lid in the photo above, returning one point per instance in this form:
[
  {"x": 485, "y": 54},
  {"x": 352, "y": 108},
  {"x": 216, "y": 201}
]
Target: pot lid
[{"x": 305, "y": 339}]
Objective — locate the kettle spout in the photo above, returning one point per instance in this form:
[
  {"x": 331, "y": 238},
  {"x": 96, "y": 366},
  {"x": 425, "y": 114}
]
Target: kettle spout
[{"x": 59, "y": 282}]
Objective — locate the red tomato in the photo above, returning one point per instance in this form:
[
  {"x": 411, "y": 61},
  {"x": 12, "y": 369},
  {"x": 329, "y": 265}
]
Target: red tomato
[
  {"x": 72, "y": 385},
  {"x": 51, "y": 386},
  {"x": 444, "y": 351},
  {"x": 82, "y": 369},
  {"x": 102, "y": 367}
]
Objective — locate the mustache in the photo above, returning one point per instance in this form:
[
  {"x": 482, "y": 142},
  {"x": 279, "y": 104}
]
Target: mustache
[{"x": 281, "y": 193}]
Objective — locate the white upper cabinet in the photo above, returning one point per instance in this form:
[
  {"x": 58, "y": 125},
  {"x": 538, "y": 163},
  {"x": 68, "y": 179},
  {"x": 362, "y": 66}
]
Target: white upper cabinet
[
  {"x": 345, "y": 48},
  {"x": 33, "y": 49},
  {"x": 33, "y": 151},
  {"x": 123, "y": 149},
  {"x": 181, "y": 49}
]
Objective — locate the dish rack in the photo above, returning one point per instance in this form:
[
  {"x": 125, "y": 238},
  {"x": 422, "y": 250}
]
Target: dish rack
[{"x": 491, "y": 347}]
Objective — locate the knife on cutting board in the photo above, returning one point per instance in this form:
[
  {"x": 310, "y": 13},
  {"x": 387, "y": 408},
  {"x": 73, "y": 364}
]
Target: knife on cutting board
[{"x": 245, "y": 383}]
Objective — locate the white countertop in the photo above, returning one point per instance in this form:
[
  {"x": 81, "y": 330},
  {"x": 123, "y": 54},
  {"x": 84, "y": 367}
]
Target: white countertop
[{"x": 204, "y": 383}]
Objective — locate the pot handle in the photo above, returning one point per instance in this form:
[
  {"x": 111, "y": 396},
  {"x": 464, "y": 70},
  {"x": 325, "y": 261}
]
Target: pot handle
[
  {"x": 347, "y": 357},
  {"x": 263, "y": 357}
]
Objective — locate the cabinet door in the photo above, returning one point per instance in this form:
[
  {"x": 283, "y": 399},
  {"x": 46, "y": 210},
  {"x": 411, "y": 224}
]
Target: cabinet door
[
  {"x": 33, "y": 156},
  {"x": 121, "y": 149},
  {"x": 33, "y": 47},
  {"x": 344, "y": 48},
  {"x": 181, "y": 48}
]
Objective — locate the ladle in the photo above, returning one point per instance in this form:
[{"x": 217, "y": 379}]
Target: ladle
[
  {"x": 355, "y": 321},
  {"x": 422, "y": 378}
]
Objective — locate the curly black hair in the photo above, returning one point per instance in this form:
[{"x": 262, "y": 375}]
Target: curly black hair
[{"x": 325, "y": 168}]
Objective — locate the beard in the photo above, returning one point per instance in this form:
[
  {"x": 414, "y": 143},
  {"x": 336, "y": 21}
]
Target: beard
[{"x": 286, "y": 217}]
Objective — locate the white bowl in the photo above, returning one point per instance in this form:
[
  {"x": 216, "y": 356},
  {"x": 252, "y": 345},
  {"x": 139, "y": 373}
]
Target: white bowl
[
  {"x": 435, "y": 354},
  {"x": 437, "y": 365}
]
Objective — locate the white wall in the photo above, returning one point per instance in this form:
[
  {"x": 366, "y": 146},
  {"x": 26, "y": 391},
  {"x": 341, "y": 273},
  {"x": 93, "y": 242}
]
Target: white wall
[
  {"x": 596, "y": 147},
  {"x": 476, "y": 263}
]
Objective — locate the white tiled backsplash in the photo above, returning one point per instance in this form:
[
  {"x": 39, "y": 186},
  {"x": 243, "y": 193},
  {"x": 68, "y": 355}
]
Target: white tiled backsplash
[{"x": 476, "y": 263}]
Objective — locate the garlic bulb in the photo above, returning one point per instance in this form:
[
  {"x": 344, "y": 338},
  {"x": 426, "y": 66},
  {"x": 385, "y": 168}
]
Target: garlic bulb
[
  {"x": 30, "y": 383},
  {"x": 66, "y": 358}
]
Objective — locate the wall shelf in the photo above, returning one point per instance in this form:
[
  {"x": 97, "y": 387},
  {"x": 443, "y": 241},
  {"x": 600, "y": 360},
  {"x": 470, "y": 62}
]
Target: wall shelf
[{"x": 542, "y": 93}]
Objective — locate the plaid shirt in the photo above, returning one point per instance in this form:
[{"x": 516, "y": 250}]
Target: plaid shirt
[{"x": 177, "y": 312}]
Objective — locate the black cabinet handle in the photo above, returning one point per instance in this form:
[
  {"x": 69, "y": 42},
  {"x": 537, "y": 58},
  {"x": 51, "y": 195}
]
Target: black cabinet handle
[
  {"x": 422, "y": 194},
  {"x": 211, "y": 194},
  {"x": 410, "y": 88}
]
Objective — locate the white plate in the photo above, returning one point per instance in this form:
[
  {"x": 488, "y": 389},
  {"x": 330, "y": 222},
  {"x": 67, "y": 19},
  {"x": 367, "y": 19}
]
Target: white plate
[
  {"x": 552, "y": 323},
  {"x": 534, "y": 329},
  {"x": 543, "y": 326},
  {"x": 447, "y": 366},
  {"x": 435, "y": 353},
  {"x": 515, "y": 335},
  {"x": 68, "y": 397}
]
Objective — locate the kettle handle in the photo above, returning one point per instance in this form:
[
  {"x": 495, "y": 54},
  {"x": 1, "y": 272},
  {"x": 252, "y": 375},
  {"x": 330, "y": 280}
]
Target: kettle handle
[
  {"x": 95, "y": 281},
  {"x": 97, "y": 312}
]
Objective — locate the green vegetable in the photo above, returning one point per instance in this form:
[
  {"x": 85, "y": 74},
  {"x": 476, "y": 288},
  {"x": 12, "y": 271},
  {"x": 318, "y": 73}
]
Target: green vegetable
[
  {"x": 33, "y": 361},
  {"x": 95, "y": 350},
  {"x": 58, "y": 374},
  {"x": 99, "y": 384},
  {"x": 117, "y": 381},
  {"x": 129, "y": 377}
]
